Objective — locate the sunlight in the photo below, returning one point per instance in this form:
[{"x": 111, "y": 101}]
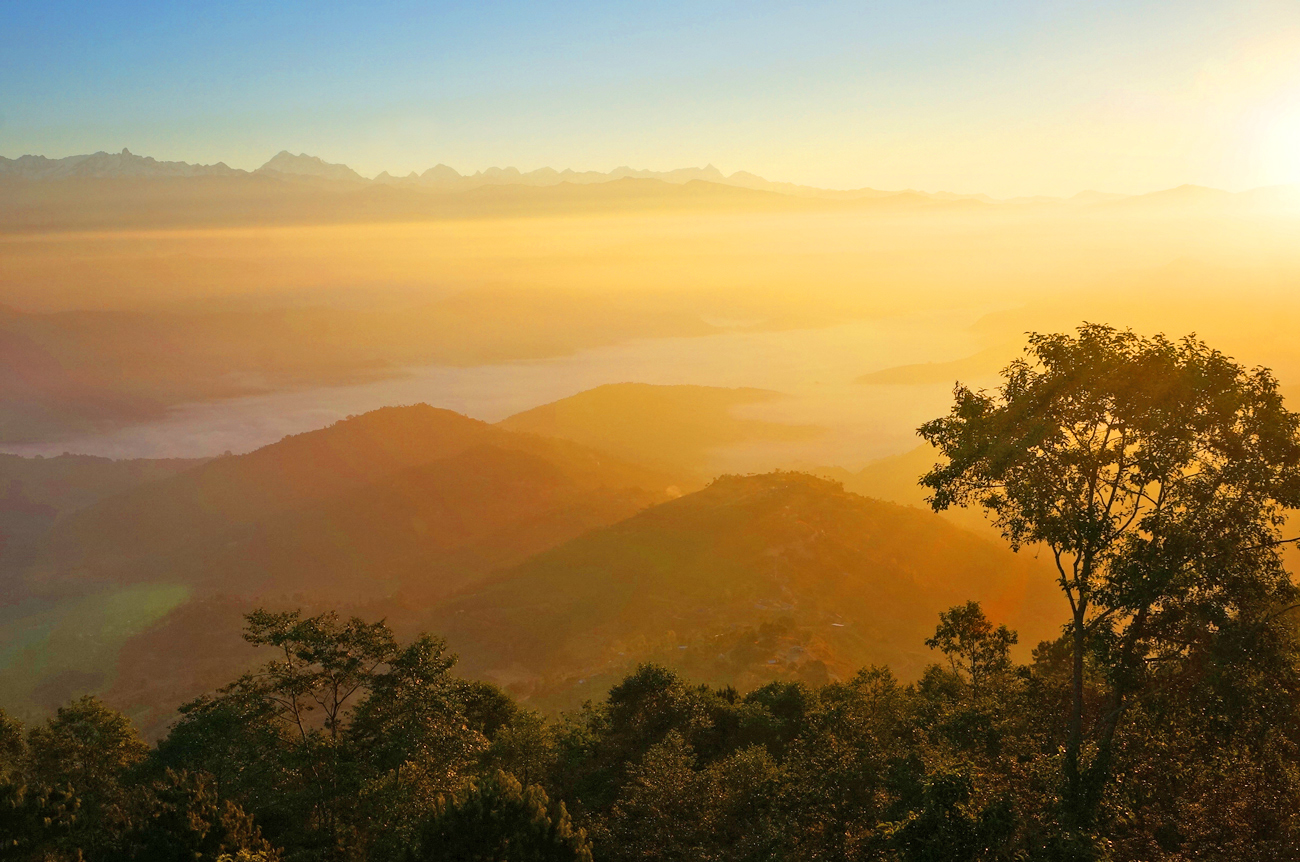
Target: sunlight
[{"x": 1280, "y": 140}]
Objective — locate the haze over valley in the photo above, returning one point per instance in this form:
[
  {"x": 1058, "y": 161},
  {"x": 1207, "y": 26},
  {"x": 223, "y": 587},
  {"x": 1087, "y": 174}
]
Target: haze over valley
[
  {"x": 668, "y": 321},
  {"x": 614, "y": 433}
]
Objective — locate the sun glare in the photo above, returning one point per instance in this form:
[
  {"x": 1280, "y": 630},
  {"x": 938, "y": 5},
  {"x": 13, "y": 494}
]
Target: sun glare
[{"x": 1281, "y": 142}]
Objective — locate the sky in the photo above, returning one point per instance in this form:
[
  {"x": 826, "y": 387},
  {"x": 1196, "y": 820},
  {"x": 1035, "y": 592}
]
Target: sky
[{"x": 1005, "y": 98}]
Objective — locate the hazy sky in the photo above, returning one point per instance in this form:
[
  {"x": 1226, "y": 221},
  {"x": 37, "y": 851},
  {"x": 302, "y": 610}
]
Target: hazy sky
[{"x": 1001, "y": 97}]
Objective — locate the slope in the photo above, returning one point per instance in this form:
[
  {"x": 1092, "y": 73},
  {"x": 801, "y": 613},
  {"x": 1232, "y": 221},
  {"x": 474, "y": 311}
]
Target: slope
[
  {"x": 350, "y": 481},
  {"x": 753, "y": 578},
  {"x": 35, "y": 492},
  {"x": 897, "y": 479},
  {"x": 394, "y": 507}
]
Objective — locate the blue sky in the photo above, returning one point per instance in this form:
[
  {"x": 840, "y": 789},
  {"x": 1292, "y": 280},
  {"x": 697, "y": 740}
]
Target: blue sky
[{"x": 1002, "y": 97}]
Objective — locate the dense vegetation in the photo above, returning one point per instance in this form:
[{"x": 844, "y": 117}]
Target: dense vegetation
[
  {"x": 1163, "y": 723},
  {"x": 349, "y": 745}
]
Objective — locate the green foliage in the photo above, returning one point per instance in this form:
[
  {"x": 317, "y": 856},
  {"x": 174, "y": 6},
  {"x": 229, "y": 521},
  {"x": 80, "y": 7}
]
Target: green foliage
[
  {"x": 419, "y": 764},
  {"x": 973, "y": 646},
  {"x": 180, "y": 817},
  {"x": 672, "y": 810},
  {"x": 326, "y": 662},
  {"x": 12, "y": 747},
  {"x": 497, "y": 819},
  {"x": 1157, "y": 474},
  {"x": 944, "y": 828},
  {"x": 85, "y": 745},
  {"x": 77, "y": 775},
  {"x": 38, "y": 824},
  {"x": 344, "y": 740}
]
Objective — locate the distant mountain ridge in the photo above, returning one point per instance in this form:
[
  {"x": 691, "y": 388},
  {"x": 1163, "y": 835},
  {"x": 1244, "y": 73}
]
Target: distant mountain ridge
[
  {"x": 438, "y": 178},
  {"x": 313, "y": 170},
  {"x": 285, "y": 162},
  {"x": 101, "y": 164}
]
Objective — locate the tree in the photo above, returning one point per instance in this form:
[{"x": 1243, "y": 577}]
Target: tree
[
  {"x": 413, "y": 740},
  {"x": 944, "y": 827},
  {"x": 81, "y": 758},
  {"x": 341, "y": 744},
  {"x": 180, "y": 818},
  {"x": 671, "y": 810},
  {"x": 37, "y": 824},
  {"x": 1157, "y": 474},
  {"x": 326, "y": 663},
  {"x": 499, "y": 820},
  {"x": 973, "y": 646},
  {"x": 841, "y": 764},
  {"x": 12, "y": 750},
  {"x": 85, "y": 745},
  {"x": 287, "y": 723}
]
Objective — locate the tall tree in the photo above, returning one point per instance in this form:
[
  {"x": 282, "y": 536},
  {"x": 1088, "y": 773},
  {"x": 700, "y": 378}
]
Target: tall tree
[
  {"x": 1158, "y": 474},
  {"x": 973, "y": 646},
  {"x": 344, "y": 740}
]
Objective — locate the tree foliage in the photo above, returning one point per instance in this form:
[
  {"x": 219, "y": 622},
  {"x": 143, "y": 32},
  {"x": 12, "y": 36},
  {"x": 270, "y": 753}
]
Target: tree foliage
[
  {"x": 497, "y": 819},
  {"x": 1157, "y": 473}
]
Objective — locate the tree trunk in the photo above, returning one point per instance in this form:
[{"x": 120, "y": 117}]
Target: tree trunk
[{"x": 1074, "y": 743}]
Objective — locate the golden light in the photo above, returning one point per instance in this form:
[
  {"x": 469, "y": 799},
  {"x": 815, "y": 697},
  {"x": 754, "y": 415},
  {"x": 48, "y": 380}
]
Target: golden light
[{"x": 1280, "y": 141}]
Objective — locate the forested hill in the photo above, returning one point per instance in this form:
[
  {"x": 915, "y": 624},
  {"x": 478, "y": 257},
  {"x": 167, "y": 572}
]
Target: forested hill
[
  {"x": 226, "y": 523},
  {"x": 440, "y": 522},
  {"x": 755, "y": 578},
  {"x": 138, "y": 596}
]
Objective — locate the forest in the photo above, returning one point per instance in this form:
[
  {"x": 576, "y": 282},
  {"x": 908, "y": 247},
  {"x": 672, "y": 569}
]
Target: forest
[
  {"x": 1162, "y": 723},
  {"x": 707, "y": 431}
]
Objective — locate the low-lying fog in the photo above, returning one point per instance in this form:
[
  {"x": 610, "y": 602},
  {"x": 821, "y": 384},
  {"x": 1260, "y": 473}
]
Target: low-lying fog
[{"x": 817, "y": 369}]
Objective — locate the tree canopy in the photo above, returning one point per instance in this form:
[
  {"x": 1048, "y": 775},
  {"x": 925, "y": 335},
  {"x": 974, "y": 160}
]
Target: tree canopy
[{"x": 1157, "y": 473}]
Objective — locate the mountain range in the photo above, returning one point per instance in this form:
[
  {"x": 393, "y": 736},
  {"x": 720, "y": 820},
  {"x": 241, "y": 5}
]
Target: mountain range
[
  {"x": 123, "y": 190},
  {"x": 103, "y": 165},
  {"x": 549, "y": 564}
]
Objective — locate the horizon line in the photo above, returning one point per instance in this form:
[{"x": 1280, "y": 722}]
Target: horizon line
[{"x": 627, "y": 167}]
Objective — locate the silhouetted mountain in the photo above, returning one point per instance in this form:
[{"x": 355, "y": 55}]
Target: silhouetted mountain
[
  {"x": 70, "y": 373},
  {"x": 1182, "y": 197},
  {"x": 285, "y": 162},
  {"x": 986, "y": 363},
  {"x": 226, "y": 524},
  {"x": 138, "y": 595},
  {"x": 442, "y": 178},
  {"x": 398, "y": 506},
  {"x": 272, "y": 197},
  {"x": 101, "y": 165},
  {"x": 34, "y": 492},
  {"x": 753, "y": 578},
  {"x": 438, "y": 178},
  {"x": 1091, "y": 196},
  {"x": 445, "y": 178},
  {"x": 896, "y": 479}
]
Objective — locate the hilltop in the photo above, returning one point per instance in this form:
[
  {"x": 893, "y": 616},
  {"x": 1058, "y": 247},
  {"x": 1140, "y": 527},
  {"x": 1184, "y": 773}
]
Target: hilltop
[
  {"x": 140, "y": 592},
  {"x": 675, "y": 428},
  {"x": 549, "y": 564},
  {"x": 753, "y": 578},
  {"x": 368, "y": 479}
]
